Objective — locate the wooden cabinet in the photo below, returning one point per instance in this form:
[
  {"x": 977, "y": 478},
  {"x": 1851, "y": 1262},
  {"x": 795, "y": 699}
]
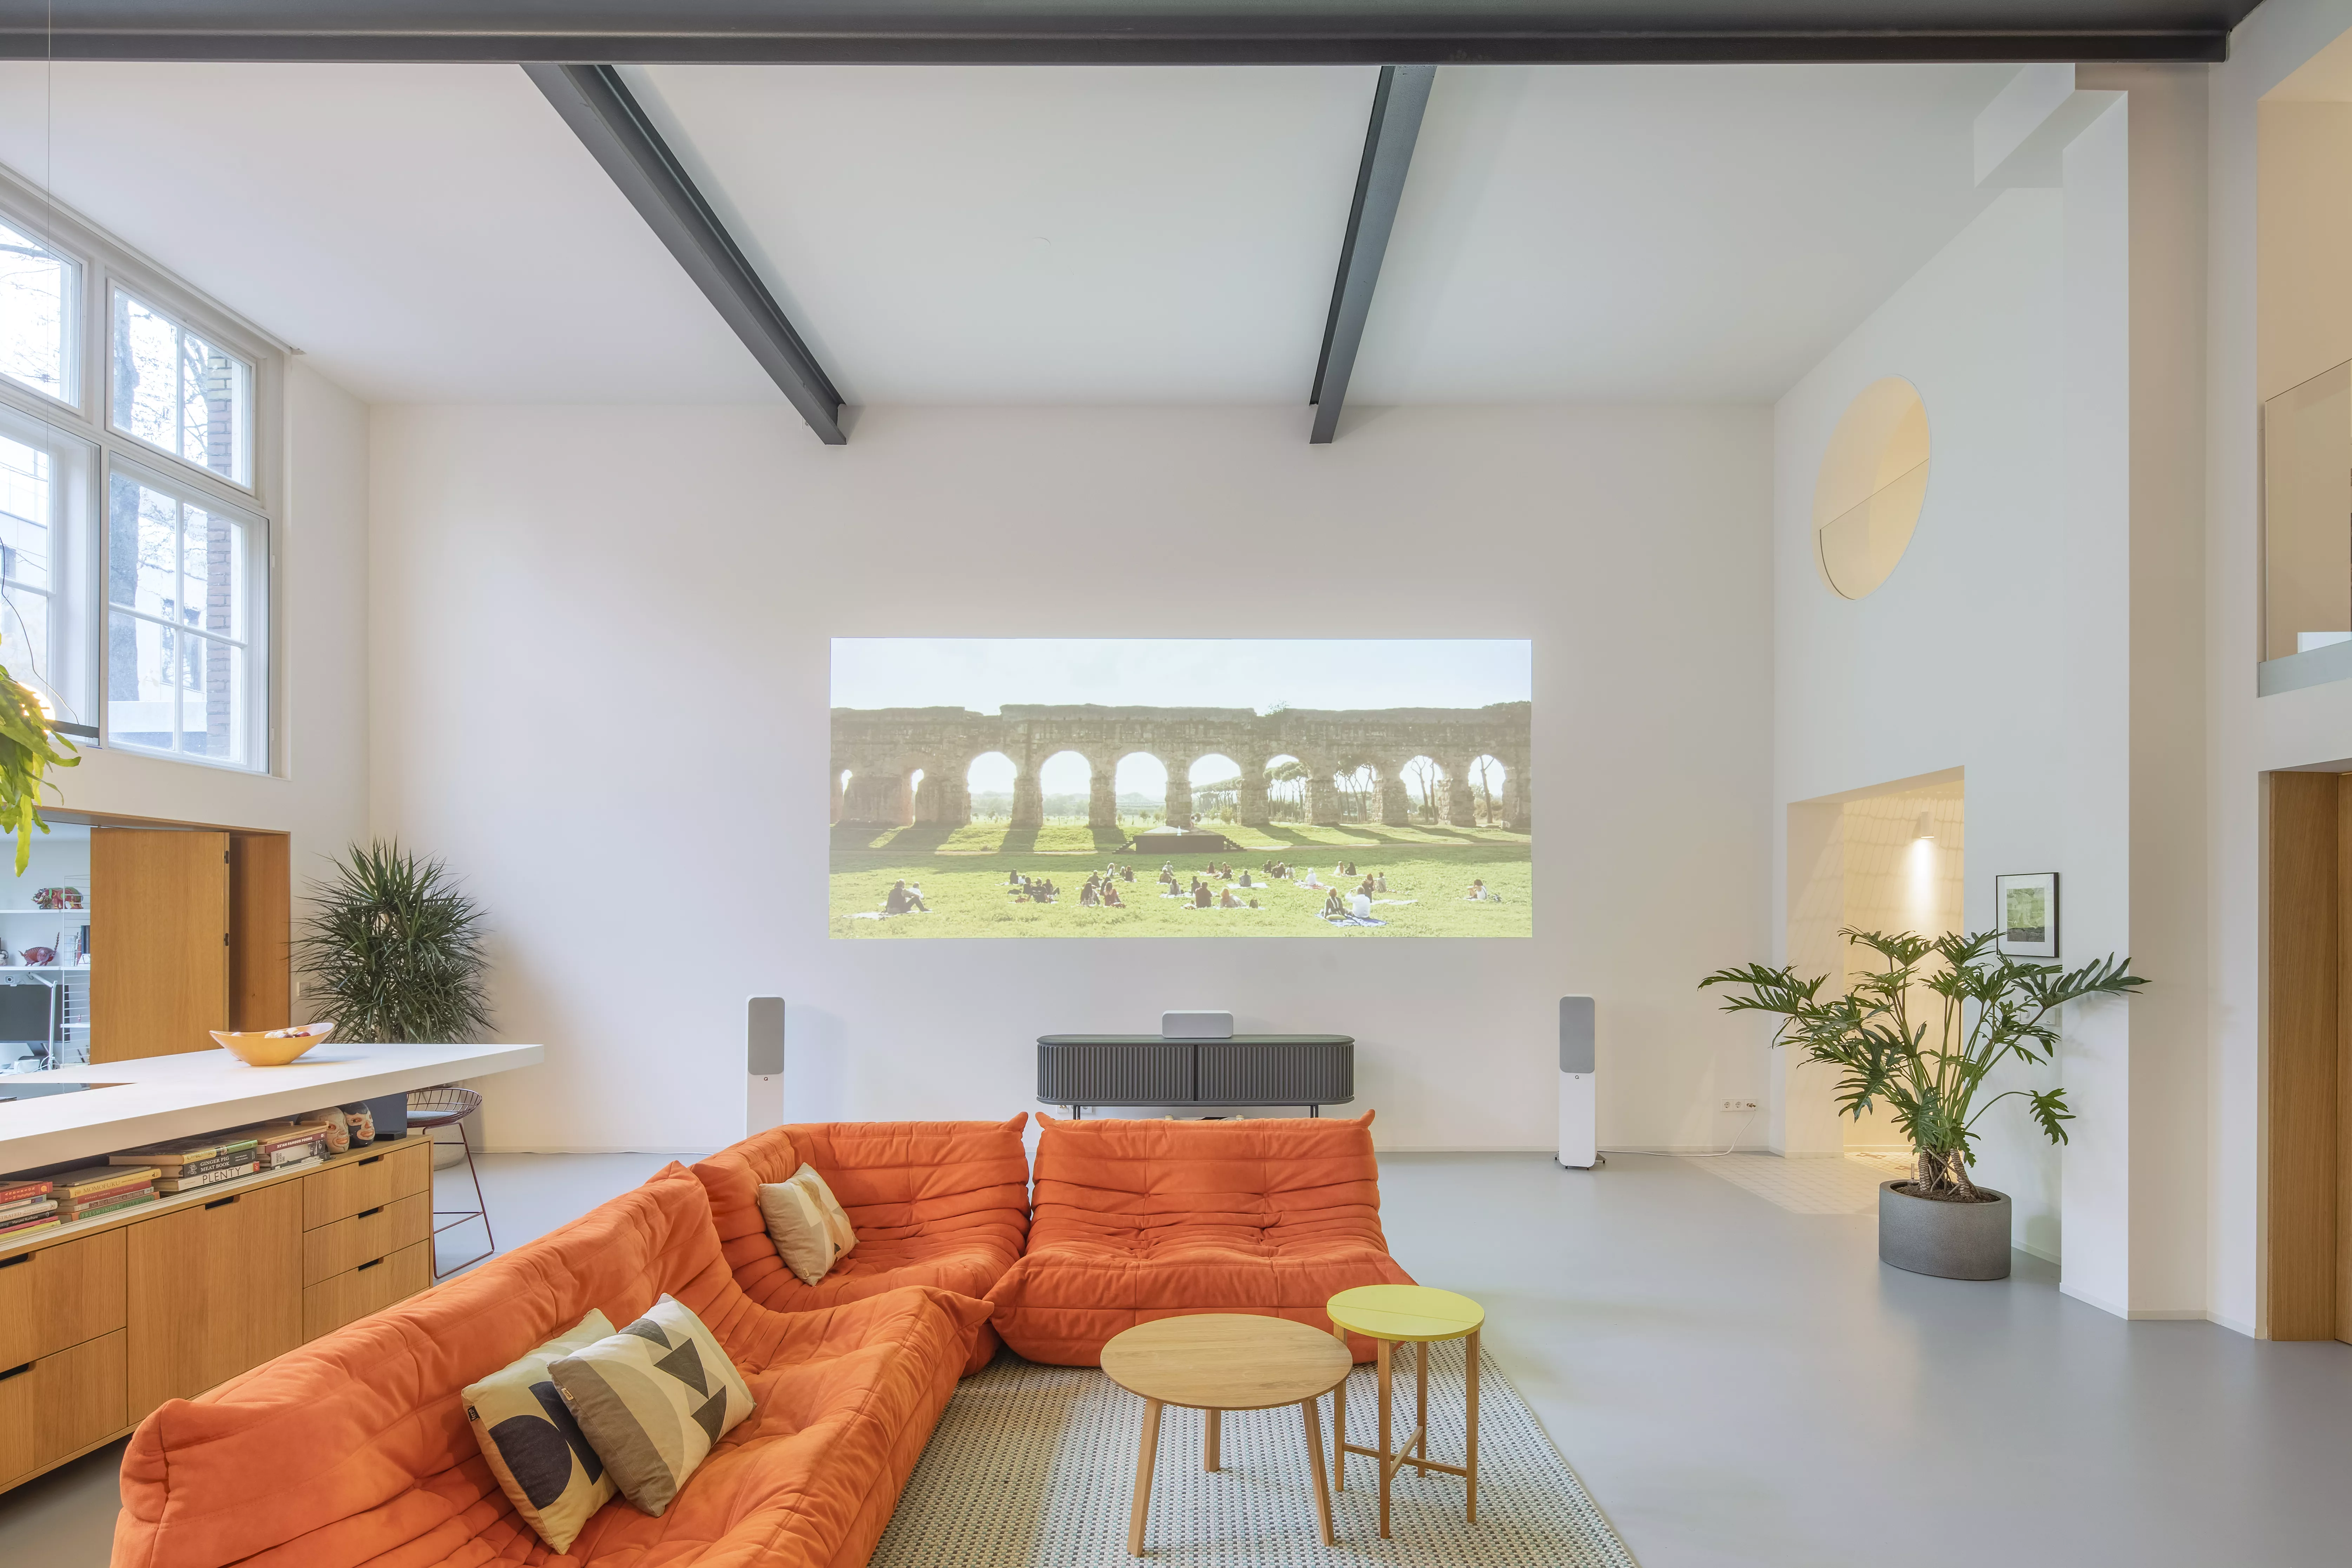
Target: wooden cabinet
[
  {"x": 371, "y": 1287},
  {"x": 341, "y": 1246},
  {"x": 54, "y": 1407},
  {"x": 59, "y": 1296},
  {"x": 215, "y": 1287},
  {"x": 158, "y": 942},
  {"x": 102, "y": 1322}
]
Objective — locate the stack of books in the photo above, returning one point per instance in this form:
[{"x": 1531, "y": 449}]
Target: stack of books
[
  {"x": 25, "y": 1206},
  {"x": 98, "y": 1190},
  {"x": 288, "y": 1145},
  {"x": 193, "y": 1163}
]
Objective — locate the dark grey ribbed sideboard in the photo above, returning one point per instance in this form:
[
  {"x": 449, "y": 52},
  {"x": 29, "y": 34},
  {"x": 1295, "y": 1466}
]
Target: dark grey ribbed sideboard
[{"x": 1312, "y": 1071}]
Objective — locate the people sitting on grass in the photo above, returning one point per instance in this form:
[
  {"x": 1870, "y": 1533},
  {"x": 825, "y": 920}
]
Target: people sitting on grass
[
  {"x": 1110, "y": 899},
  {"x": 1229, "y": 899},
  {"x": 1380, "y": 881},
  {"x": 1309, "y": 881},
  {"x": 1360, "y": 906},
  {"x": 1244, "y": 877},
  {"x": 902, "y": 899},
  {"x": 1333, "y": 906},
  {"x": 1201, "y": 898},
  {"x": 1090, "y": 892},
  {"x": 1126, "y": 873},
  {"x": 1482, "y": 894}
]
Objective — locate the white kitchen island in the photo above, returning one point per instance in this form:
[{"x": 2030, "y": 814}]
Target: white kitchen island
[{"x": 134, "y": 1104}]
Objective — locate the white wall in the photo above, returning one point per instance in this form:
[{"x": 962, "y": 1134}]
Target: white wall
[
  {"x": 600, "y": 689},
  {"x": 318, "y": 793},
  {"x": 1953, "y": 663}
]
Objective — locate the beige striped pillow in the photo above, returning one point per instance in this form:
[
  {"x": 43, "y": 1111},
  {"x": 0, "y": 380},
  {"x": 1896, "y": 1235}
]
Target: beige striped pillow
[{"x": 811, "y": 1229}]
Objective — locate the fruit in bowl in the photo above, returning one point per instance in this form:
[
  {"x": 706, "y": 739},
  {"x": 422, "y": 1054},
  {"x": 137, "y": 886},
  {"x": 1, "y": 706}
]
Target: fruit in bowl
[{"x": 271, "y": 1047}]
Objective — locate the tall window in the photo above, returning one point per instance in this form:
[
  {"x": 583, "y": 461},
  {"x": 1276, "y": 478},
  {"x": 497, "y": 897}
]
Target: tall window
[
  {"x": 37, "y": 290},
  {"x": 137, "y": 488},
  {"x": 180, "y": 619},
  {"x": 182, "y": 393}
]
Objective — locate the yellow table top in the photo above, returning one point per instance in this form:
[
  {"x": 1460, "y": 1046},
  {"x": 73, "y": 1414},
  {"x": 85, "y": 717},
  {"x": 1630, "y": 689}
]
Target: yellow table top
[{"x": 1405, "y": 1312}]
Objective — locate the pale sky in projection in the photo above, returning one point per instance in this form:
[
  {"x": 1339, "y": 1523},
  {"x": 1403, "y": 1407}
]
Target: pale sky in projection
[{"x": 983, "y": 673}]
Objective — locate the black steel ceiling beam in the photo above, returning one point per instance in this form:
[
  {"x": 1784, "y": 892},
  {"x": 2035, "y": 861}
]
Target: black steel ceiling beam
[
  {"x": 609, "y": 123},
  {"x": 1121, "y": 32},
  {"x": 1396, "y": 105}
]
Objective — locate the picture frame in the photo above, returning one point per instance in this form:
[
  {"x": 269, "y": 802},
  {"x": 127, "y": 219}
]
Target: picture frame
[{"x": 2025, "y": 914}]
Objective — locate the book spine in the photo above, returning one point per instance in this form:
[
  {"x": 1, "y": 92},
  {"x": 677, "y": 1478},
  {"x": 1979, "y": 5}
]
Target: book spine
[
  {"x": 91, "y": 1211},
  {"x": 209, "y": 1179},
  {"x": 16, "y": 1189},
  {"x": 93, "y": 1192},
  {"x": 25, "y": 1227},
  {"x": 26, "y": 1208}
]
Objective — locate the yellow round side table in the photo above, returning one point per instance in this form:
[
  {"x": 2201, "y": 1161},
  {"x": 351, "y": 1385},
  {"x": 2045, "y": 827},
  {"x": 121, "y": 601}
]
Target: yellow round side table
[{"x": 1416, "y": 1315}]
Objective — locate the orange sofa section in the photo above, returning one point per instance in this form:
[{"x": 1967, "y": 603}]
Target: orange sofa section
[
  {"x": 944, "y": 1204},
  {"x": 1137, "y": 1220},
  {"x": 354, "y": 1451}
]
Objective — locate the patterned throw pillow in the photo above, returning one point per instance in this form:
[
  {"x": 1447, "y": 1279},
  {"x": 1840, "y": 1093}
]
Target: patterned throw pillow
[
  {"x": 811, "y": 1229},
  {"x": 653, "y": 1400},
  {"x": 545, "y": 1467}
]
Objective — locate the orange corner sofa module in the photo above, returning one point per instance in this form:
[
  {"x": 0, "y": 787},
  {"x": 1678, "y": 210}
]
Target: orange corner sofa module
[
  {"x": 1137, "y": 1220},
  {"x": 934, "y": 1203},
  {"x": 354, "y": 1449}
]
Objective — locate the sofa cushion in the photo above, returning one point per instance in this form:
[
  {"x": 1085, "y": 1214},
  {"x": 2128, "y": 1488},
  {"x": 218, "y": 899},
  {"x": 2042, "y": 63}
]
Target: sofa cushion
[
  {"x": 1137, "y": 1220},
  {"x": 545, "y": 1466},
  {"x": 354, "y": 1449},
  {"x": 811, "y": 1229},
  {"x": 943, "y": 1204},
  {"x": 653, "y": 1400}
]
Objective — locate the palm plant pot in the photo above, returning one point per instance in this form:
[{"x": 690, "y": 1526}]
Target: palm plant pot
[{"x": 1948, "y": 1240}]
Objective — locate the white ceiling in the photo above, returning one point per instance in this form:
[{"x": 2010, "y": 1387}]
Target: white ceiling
[{"x": 1043, "y": 235}]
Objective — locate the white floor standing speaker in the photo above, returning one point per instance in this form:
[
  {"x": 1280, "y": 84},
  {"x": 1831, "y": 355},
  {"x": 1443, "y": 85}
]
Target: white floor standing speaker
[
  {"x": 763, "y": 1063},
  {"x": 1579, "y": 1127}
]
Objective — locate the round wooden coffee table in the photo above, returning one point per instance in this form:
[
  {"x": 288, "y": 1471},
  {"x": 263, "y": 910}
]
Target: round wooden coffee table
[{"x": 1216, "y": 1362}]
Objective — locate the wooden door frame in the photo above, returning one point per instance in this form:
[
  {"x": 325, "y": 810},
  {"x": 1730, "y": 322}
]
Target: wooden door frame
[{"x": 2306, "y": 1256}]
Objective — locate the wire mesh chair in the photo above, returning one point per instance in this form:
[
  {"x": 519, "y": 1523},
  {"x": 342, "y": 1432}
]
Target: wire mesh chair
[{"x": 449, "y": 1106}]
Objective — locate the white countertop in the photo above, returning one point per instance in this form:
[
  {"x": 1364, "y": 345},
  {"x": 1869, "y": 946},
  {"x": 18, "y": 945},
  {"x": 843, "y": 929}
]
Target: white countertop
[{"x": 156, "y": 1097}]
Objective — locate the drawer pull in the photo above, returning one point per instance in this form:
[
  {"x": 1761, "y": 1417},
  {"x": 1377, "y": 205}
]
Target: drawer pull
[
  {"x": 365, "y": 1214},
  {"x": 371, "y": 1160},
  {"x": 20, "y": 1257},
  {"x": 366, "y": 1266},
  {"x": 223, "y": 1203},
  {"x": 16, "y": 1372}
]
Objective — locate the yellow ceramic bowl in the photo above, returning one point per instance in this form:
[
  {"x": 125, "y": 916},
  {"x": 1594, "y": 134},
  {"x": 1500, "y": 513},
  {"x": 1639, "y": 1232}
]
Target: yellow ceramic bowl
[{"x": 273, "y": 1049}]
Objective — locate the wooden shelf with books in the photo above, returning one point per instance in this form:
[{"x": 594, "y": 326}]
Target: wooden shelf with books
[{"x": 186, "y": 1279}]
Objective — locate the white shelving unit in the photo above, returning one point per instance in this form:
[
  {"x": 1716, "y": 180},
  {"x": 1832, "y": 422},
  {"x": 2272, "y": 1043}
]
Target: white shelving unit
[{"x": 71, "y": 1047}]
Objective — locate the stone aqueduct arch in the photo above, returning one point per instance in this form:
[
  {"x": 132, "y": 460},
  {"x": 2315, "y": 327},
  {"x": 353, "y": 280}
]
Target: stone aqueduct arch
[{"x": 882, "y": 749}]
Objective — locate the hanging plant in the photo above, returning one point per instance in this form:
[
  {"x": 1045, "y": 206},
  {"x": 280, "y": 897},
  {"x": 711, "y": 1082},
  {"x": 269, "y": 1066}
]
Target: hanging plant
[
  {"x": 392, "y": 951},
  {"x": 28, "y": 750}
]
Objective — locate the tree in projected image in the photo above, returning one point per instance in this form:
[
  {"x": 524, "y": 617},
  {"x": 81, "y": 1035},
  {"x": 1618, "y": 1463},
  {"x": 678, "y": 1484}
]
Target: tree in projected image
[{"x": 1285, "y": 790}]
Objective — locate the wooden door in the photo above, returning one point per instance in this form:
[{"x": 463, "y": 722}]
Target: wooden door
[
  {"x": 260, "y": 897},
  {"x": 215, "y": 1290},
  {"x": 158, "y": 968}
]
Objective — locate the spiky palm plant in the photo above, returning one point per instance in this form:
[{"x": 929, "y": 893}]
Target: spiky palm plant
[
  {"x": 1992, "y": 1007},
  {"x": 393, "y": 950}
]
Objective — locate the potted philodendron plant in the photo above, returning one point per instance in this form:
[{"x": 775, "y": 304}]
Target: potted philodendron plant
[{"x": 1984, "y": 1008}]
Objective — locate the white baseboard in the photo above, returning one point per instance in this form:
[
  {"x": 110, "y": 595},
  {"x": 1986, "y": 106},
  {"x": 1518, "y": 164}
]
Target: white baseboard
[
  {"x": 2141, "y": 1314},
  {"x": 2037, "y": 1252},
  {"x": 1689, "y": 1148}
]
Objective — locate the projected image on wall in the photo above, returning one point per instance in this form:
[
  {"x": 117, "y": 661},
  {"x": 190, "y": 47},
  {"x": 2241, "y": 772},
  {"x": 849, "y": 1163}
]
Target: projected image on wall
[{"x": 1210, "y": 787}]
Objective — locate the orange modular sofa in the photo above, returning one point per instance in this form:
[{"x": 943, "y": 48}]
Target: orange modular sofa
[
  {"x": 354, "y": 1449},
  {"x": 934, "y": 1203},
  {"x": 1137, "y": 1220}
]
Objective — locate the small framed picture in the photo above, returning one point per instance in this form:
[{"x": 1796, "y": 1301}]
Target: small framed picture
[{"x": 2025, "y": 911}]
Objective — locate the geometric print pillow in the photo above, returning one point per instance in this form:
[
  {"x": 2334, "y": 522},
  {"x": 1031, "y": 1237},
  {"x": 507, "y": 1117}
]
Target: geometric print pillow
[
  {"x": 653, "y": 1400},
  {"x": 543, "y": 1464}
]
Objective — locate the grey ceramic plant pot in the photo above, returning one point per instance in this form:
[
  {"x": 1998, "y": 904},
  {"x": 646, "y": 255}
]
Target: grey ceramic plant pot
[{"x": 1950, "y": 1241}]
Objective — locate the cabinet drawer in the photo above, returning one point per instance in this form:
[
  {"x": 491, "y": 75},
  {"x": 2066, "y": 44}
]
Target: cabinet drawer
[
  {"x": 371, "y": 1287},
  {"x": 214, "y": 1292},
  {"x": 59, "y": 1296},
  {"x": 370, "y": 1234},
  {"x": 366, "y": 1182},
  {"x": 59, "y": 1402}
]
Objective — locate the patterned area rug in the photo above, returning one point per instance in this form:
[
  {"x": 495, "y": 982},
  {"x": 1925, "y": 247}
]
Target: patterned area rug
[
  {"x": 1823, "y": 1184},
  {"x": 1034, "y": 1466}
]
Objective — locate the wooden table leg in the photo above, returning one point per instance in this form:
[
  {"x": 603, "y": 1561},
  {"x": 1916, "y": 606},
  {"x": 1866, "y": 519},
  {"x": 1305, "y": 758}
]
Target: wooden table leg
[
  {"x": 1339, "y": 1423},
  {"x": 1147, "y": 1450},
  {"x": 1421, "y": 1405},
  {"x": 1209, "y": 1446},
  {"x": 1470, "y": 1350},
  {"x": 1315, "y": 1462},
  {"x": 1385, "y": 1361}
]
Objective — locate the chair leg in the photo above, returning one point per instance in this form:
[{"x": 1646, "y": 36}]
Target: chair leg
[
  {"x": 481, "y": 1211},
  {"x": 1146, "y": 1449},
  {"x": 1209, "y": 1443},
  {"x": 1315, "y": 1462}
]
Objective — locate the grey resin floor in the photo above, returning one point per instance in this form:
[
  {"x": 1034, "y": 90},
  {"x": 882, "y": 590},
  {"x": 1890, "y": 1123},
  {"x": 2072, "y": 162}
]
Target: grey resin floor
[{"x": 1742, "y": 1386}]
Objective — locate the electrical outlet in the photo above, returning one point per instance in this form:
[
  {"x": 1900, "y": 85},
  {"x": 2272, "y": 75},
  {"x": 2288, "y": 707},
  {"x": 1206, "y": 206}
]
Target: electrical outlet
[{"x": 1738, "y": 1105}]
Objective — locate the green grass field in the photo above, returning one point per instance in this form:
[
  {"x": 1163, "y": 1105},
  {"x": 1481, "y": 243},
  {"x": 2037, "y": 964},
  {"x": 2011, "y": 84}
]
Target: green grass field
[{"x": 963, "y": 872}]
